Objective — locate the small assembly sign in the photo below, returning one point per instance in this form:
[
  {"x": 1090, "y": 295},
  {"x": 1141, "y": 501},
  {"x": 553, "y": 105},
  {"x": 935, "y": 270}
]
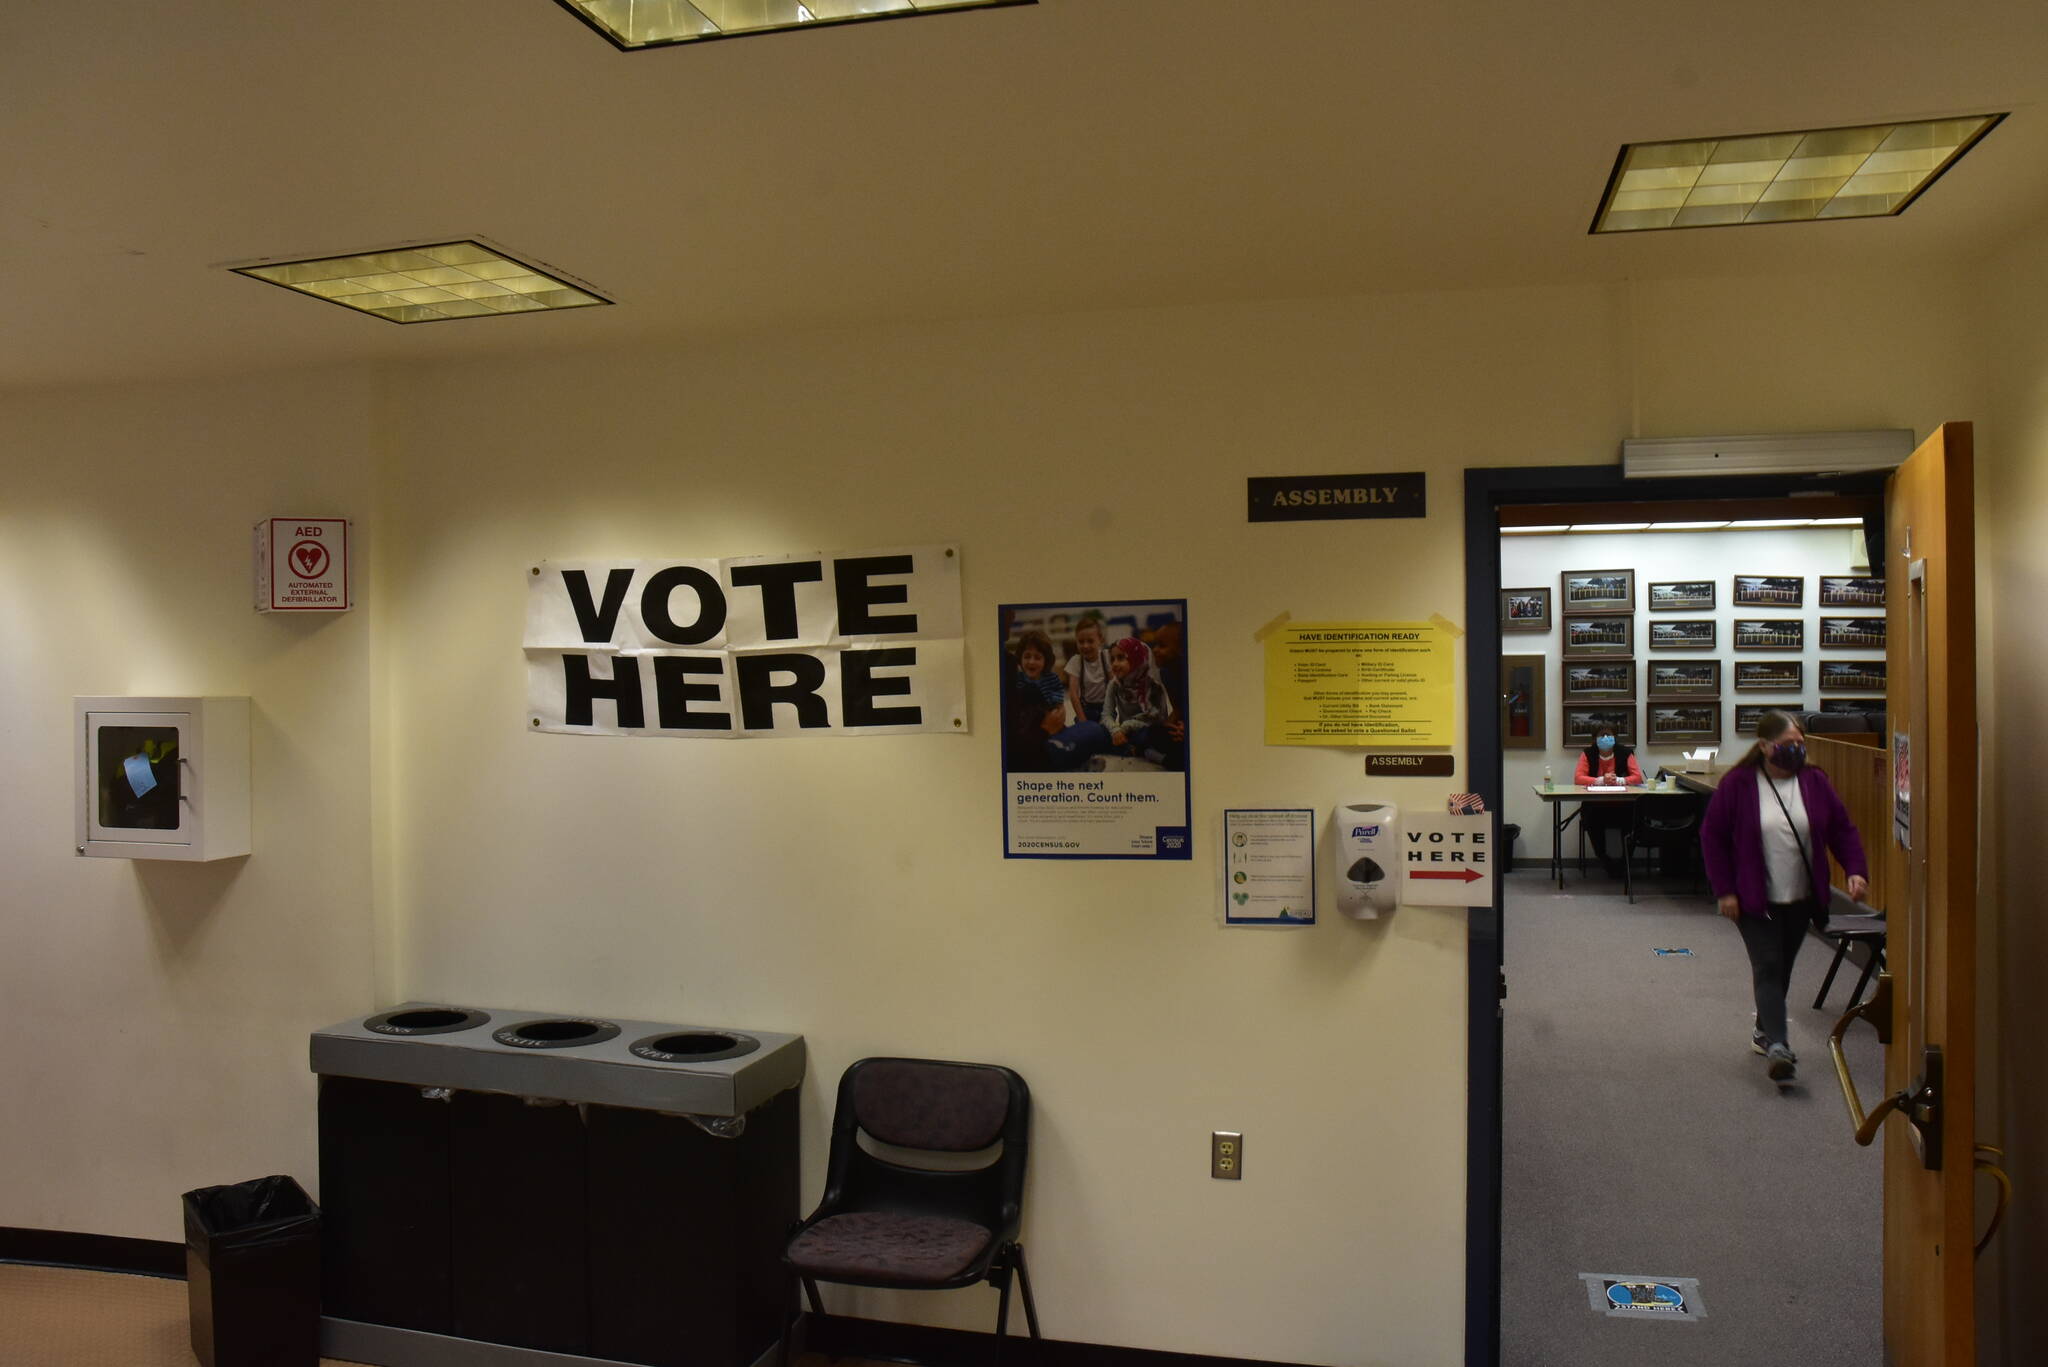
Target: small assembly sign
[{"x": 302, "y": 565}]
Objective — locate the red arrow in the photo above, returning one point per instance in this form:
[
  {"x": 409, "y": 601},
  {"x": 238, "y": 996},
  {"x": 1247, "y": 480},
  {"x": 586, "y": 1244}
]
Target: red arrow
[{"x": 1463, "y": 875}]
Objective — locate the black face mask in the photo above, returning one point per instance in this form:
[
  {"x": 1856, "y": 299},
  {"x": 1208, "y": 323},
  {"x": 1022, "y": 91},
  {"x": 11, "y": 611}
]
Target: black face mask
[{"x": 1790, "y": 756}]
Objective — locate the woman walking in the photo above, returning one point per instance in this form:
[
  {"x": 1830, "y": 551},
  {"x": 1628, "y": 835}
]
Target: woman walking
[{"x": 1766, "y": 838}]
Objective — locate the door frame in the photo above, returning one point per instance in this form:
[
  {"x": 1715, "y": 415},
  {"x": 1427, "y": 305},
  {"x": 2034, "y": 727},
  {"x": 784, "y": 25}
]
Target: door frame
[{"x": 1488, "y": 490}]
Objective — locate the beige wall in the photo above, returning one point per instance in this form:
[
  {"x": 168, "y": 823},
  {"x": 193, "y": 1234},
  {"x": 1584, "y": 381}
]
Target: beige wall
[
  {"x": 155, "y": 1011},
  {"x": 853, "y": 890},
  {"x": 2012, "y": 465}
]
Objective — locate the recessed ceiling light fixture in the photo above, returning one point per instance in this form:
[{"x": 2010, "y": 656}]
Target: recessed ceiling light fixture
[
  {"x": 429, "y": 284},
  {"x": 634, "y": 24},
  {"x": 1867, "y": 171}
]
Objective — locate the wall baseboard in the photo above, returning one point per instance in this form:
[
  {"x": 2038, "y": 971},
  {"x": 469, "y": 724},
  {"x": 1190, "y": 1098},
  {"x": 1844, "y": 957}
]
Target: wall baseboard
[
  {"x": 883, "y": 1340},
  {"x": 98, "y": 1252}
]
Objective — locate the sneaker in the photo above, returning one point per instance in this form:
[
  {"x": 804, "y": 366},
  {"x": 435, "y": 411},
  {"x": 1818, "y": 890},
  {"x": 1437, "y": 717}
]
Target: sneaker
[
  {"x": 1779, "y": 1063},
  {"x": 1759, "y": 1045}
]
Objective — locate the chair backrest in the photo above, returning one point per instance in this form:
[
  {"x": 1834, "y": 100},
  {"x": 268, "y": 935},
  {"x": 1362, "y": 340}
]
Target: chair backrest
[{"x": 931, "y": 1106}]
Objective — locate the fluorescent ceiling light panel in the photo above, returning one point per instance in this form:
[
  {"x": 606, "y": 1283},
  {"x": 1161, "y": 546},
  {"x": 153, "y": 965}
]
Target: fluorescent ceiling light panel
[
  {"x": 1686, "y": 526},
  {"x": 1775, "y": 522},
  {"x": 429, "y": 284},
  {"x": 1863, "y": 172},
  {"x": 1610, "y": 526},
  {"x": 633, "y": 24},
  {"x": 1838, "y": 522},
  {"x": 1532, "y": 531}
]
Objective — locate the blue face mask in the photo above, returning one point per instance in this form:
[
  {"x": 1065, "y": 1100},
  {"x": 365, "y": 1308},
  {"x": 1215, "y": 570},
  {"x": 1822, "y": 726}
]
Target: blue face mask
[
  {"x": 1605, "y": 743},
  {"x": 1790, "y": 756}
]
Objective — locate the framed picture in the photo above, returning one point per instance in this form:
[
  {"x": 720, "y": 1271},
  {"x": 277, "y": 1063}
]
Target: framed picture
[
  {"x": 1685, "y": 723},
  {"x": 1769, "y": 591},
  {"x": 1600, "y": 681},
  {"x": 1852, "y": 633},
  {"x": 1599, "y": 591},
  {"x": 1525, "y": 609},
  {"x": 1589, "y": 636},
  {"x": 1839, "y": 705},
  {"x": 1521, "y": 700},
  {"x": 1748, "y": 714},
  {"x": 1851, "y": 591},
  {"x": 1851, "y": 676},
  {"x": 1581, "y": 720},
  {"x": 1769, "y": 676},
  {"x": 1683, "y": 595},
  {"x": 1770, "y": 633},
  {"x": 1689, "y": 633},
  {"x": 1682, "y": 679}
]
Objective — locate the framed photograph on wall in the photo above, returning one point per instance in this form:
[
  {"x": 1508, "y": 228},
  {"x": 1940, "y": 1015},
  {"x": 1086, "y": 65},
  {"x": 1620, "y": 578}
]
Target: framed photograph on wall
[
  {"x": 1770, "y": 633},
  {"x": 1600, "y": 681},
  {"x": 1585, "y": 637},
  {"x": 1851, "y": 591},
  {"x": 1769, "y": 591},
  {"x": 1851, "y": 676},
  {"x": 1852, "y": 633},
  {"x": 1683, "y": 595},
  {"x": 1581, "y": 720},
  {"x": 1525, "y": 609},
  {"x": 1841, "y": 705},
  {"x": 1685, "y": 723},
  {"x": 1521, "y": 701},
  {"x": 1671, "y": 679},
  {"x": 1748, "y": 714},
  {"x": 1598, "y": 591},
  {"x": 1690, "y": 633},
  {"x": 1770, "y": 676}
]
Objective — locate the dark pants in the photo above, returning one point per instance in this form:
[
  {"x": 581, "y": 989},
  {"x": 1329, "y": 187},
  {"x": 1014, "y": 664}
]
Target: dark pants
[
  {"x": 1773, "y": 944},
  {"x": 1596, "y": 819}
]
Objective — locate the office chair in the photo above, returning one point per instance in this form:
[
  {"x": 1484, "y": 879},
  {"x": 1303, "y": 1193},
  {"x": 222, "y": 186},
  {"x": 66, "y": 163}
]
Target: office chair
[
  {"x": 885, "y": 1220},
  {"x": 1663, "y": 833}
]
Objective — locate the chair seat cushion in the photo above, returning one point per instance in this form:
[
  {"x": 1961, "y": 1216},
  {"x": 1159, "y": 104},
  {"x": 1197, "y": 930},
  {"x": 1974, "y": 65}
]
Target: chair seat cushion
[{"x": 876, "y": 1244}]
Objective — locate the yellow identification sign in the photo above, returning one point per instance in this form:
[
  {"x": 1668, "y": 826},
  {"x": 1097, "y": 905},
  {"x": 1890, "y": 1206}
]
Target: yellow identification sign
[{"x": 1359, "y": 683}]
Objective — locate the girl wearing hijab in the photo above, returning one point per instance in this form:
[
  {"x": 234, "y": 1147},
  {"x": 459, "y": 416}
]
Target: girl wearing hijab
[
  {"x": 1606, "y": 761},
  {"x": 1766, "y": 837},
  {"x": 1135, "y": 701}
]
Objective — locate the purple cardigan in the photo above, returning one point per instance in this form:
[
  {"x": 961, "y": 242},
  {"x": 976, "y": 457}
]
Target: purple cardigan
[{"x": 1732, "y": 837}]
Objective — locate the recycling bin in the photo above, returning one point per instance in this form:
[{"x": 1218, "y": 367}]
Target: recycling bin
[
  {"x": 252, "y": 1274},
  {"x": 567, "y": 1188}
]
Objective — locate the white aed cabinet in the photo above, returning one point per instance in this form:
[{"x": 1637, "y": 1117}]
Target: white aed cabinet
[{"x": 162, "y": 778}]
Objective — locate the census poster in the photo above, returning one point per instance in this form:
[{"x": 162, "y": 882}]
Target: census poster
[{"x": 1096, "y": 731}]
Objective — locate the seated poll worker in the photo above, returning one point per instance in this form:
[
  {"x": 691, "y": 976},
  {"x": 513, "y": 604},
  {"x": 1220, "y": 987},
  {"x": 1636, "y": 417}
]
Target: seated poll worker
[{"x": 1606, "y": 762}]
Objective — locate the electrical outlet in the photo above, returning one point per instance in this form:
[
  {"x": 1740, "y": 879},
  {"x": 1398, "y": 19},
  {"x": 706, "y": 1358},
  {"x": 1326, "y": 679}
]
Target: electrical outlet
[{"x": 1226, "y": 1155}]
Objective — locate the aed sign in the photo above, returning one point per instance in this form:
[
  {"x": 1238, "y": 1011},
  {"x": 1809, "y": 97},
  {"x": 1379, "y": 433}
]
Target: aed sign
[
  {"x": 1447, "y": 861},
  {"x": 302, "y": 565},
  {"x": 854, "y": 643}
]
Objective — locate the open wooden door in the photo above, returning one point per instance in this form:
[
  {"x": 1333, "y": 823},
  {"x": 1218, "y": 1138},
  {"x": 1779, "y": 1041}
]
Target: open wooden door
[{"x": 1926, "y": 1009}]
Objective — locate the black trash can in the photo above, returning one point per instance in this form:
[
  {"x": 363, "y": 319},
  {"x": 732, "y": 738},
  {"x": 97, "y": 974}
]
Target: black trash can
[
  {"x": 1509, "y": 834},
  {"x": 252, "y": 1269}
]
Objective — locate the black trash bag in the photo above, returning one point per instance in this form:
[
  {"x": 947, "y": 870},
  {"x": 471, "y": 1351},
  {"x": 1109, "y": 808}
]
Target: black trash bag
[
  {"x": 1509, "y": 834},
  {"x": 252, "y": 1269}
]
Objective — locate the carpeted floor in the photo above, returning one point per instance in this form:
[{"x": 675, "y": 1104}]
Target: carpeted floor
[{"x": 1642, "y": 1137}]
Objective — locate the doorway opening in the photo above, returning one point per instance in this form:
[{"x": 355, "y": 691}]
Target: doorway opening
[{"x": 1550, "y": 1173}]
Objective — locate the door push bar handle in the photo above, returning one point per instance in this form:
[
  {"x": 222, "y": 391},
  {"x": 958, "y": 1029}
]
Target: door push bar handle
[{"x": 1920, "y": 1102}]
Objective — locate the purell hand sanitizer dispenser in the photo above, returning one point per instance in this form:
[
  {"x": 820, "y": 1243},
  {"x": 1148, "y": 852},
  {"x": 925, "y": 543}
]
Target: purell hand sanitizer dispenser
[{"x": 1365, "y": 839}]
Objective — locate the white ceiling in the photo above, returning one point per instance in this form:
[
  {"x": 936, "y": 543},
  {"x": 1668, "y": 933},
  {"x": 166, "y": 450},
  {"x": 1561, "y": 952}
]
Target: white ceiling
[{"x": 1069, "y": 155}]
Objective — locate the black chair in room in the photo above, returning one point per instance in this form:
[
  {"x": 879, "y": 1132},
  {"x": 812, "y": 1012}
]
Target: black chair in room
[
  {"x": 1851, "y": 923},
  {"x": 1666, "y": 826},
  {"x": 906, "y": 1204}
]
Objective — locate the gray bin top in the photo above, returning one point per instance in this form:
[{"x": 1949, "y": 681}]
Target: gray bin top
[{"x": 641, "y": 1065}]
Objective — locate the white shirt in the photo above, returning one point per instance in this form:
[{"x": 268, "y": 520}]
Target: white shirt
[
  {"x": 1786, "y": 876},
  {"x": 1094, "y": 677}
]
